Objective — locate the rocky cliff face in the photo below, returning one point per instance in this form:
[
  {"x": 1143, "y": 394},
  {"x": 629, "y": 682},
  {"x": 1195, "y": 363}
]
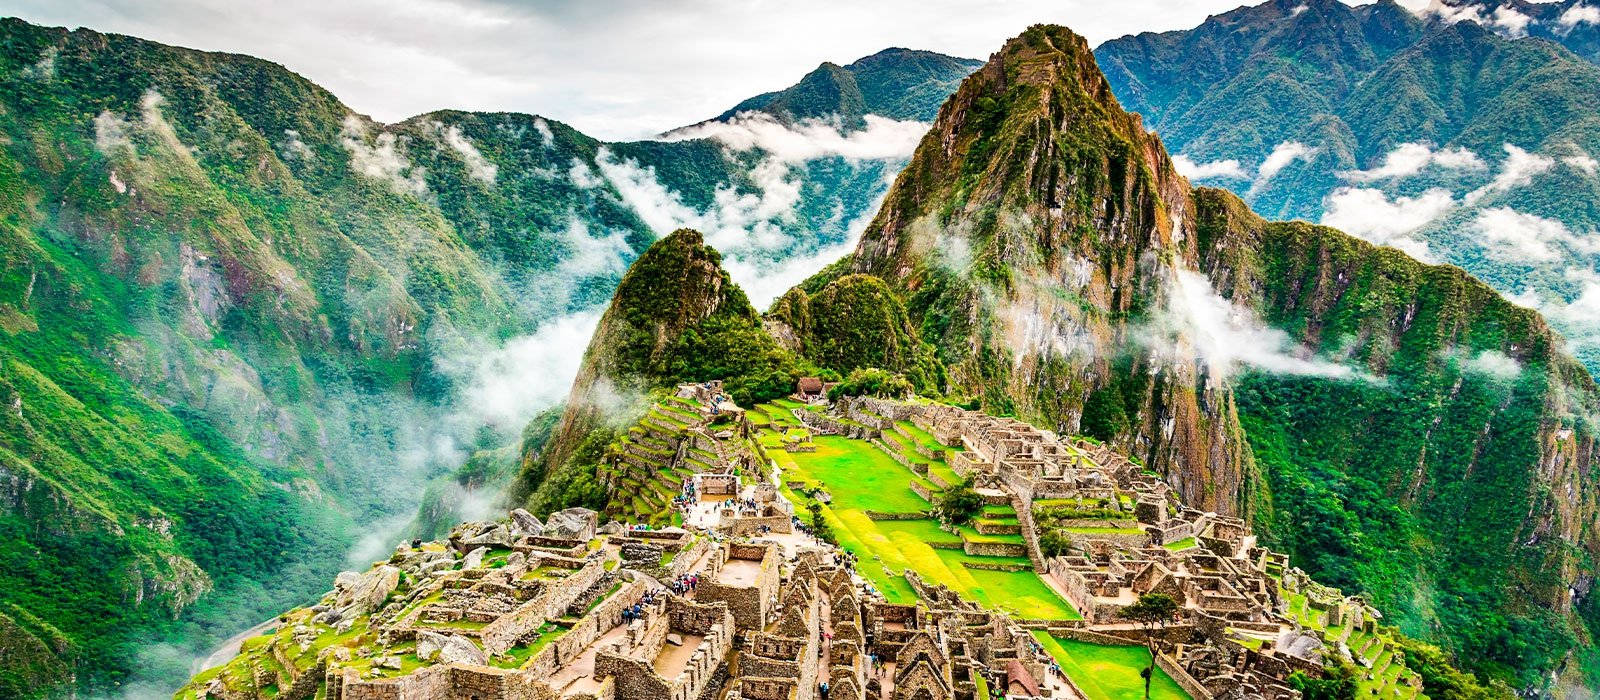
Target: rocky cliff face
[
  {"x": 1037, "y": 223},
  {"x": 1399, "y": 427}
]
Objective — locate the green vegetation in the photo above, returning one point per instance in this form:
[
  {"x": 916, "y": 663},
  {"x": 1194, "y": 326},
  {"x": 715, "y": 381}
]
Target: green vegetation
[
  {"x": 1152, "y": 612},
  {"x": 959, "y": 504},
  {"x": 1109, "y": 672},
  {"x": 872, "y": 382},
  {"x": 856, "y": 323},
  {"x": 858, "y": 477}
]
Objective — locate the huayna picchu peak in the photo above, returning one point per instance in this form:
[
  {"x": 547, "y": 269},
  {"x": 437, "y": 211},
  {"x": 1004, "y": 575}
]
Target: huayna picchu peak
[
  {"x": 923, "y": 378},
  {"x": 1400, "y": 426}
]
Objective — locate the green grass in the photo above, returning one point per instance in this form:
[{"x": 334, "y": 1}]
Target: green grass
[
  {"x": 920, "y": 435},
  {"x": 1181, "y": 545},
  {"x": 1109, "y": 672},
  {"x": 860, "y": 477},
  {"x": 1018, "y": 593}
]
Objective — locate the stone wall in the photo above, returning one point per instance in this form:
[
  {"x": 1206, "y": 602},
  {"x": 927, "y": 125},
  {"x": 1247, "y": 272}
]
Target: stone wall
[
  {"x": 829, "y": 425},
  {"x": 748, "y": 603},
  {"x": 993, "y": 549},
  {"x": 741, "y": 527},
  {"x": 552, "y": 602},
  {"x": 1184, "y": 680}
]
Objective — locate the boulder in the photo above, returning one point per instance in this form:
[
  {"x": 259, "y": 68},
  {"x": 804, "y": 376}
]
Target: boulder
[
  {"x": 429, "y": 644},
  {"x": 474, "y": 558},
  {"x": 523, "y": 523},
  {"x": 491, "y": 536},
  {"x": 675, "y": 639},
  {"x": 460, "y": 650},
  {"x": 390, "y": 662},
  {"x": 515, "y": 559},
  {"x": 612, "y": 528},
  {"x": 365, "y": 592},
  {"x": 572, "y": 524}
]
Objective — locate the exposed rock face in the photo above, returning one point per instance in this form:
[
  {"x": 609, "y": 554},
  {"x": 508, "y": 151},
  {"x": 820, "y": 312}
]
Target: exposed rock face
[
  {"x": 572, "y": 524},
  {"x": 523, "y": 523},
  {"x": 429, "y": 644},
  {"x": 358, "y": 594},
  {"x": 1035, "y": 221},
  {"x": 1400, "y": 428},
  {"x": 474, "y": 558},
  {"x": 460, "y": 650}
]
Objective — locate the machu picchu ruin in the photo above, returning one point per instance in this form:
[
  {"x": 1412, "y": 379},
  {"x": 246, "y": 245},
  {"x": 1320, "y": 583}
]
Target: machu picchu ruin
[{"x": 797, "y": 550}]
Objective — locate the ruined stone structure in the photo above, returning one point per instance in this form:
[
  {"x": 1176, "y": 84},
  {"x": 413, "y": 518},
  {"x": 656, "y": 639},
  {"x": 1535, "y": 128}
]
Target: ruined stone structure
[{"x": 523, "y": 609}]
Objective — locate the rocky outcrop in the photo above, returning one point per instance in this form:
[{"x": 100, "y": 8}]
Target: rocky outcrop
[
  {"x": 1283, "y": 372},
  {"x": 358, "y": 594},
  {"x": 1036, "y": 221}
]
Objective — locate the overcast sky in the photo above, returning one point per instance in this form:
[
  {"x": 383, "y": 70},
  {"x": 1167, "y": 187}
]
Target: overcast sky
[{"x": 615, "y": 69}]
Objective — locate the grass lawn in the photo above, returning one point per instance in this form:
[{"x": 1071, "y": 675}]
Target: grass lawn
[
  {"x": 1019, "y": 593},
  {"x": 1181, "y": 545},
  {"x": 859, "y": 476},
  {"x": 1109, "y": 672},
  {"x": 920, "y": 435},
  {"x": 922, "y": 530}
]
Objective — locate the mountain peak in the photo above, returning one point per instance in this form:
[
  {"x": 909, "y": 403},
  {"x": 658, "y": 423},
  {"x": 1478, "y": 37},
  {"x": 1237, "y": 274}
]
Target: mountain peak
[
  {"x": 1028, "y": 134},
  {"x": 895, "y": 83}
]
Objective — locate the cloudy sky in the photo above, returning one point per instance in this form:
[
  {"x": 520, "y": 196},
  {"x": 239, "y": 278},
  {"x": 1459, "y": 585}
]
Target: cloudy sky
[{"x": 613, "y": 68}]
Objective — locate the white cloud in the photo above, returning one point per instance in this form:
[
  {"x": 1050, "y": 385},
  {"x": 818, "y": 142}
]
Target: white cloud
[
  {"x": 507, "y": 384},
  {"x": 1409, "y": 159},
  {"x": 1229, "y": 168},
  {"x": 1451, "y": 13},
  {"x": 1282, "y": 156},
  {"x": 1370, "y": 214},
  {"x": 1489, "y": 363},
  {"x": 1508, "y": 18},
  {"x": 734, "y": 221},
  {"x": 111, "y": 133},
  {"x": 294, "y": 148},
  {"x": 383, "y": 159},
  {"x": 1578, "y": 14},
  {"x": 666, "y": 62},
  {"x": 882, "y": 139},
  {"x": 582, "y": 175},
  {"x": 45, "y": 68},
  {"x": 1512, "y": 236},
  {"x": 1226, "y": 337},
  {"x": 1517, "y": 170},
  {"x": 1582, "y": 162},
  {"x": 545, "y": 135},
  {"x": 478, "y": 166},
  {"x": 1579, "y": 318}
]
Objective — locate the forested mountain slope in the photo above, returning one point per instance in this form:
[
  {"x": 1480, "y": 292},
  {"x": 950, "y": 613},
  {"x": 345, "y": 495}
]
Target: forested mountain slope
[
  {"x": 240, "y": 324},
  {"x": 1401, "y": 428},
  {"x": 1450, "y": 134}
]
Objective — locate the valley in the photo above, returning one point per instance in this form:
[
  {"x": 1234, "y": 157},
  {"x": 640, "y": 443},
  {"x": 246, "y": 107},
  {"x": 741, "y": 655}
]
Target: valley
[{"x": 922, "y": 378}]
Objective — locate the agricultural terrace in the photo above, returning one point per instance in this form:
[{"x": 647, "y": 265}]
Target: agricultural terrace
[
  {"x": 1105, "y": 672},
  {"x": 864, "y": 491}
]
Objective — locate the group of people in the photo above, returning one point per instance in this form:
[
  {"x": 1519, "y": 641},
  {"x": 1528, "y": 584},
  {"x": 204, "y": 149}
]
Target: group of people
[{"x": 686, "y": 583}]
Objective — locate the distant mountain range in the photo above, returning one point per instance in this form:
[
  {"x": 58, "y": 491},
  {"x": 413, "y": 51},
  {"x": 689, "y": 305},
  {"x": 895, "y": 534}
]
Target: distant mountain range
[
  {"x": 1459, "y": 135},
  {"x": 241, "y": 324}
]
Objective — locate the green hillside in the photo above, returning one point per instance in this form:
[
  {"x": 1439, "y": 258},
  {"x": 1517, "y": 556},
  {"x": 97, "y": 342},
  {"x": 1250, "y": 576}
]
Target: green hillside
[{"x": 234, "y": 316}]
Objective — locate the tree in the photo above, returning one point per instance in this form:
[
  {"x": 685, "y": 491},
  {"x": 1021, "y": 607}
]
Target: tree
[
  {"x": 960, "y": 504},
  {"x": 1338, "y": 682},
  {"x": 819, "y": 526},
  {"x": 1152, "y": 612}
]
